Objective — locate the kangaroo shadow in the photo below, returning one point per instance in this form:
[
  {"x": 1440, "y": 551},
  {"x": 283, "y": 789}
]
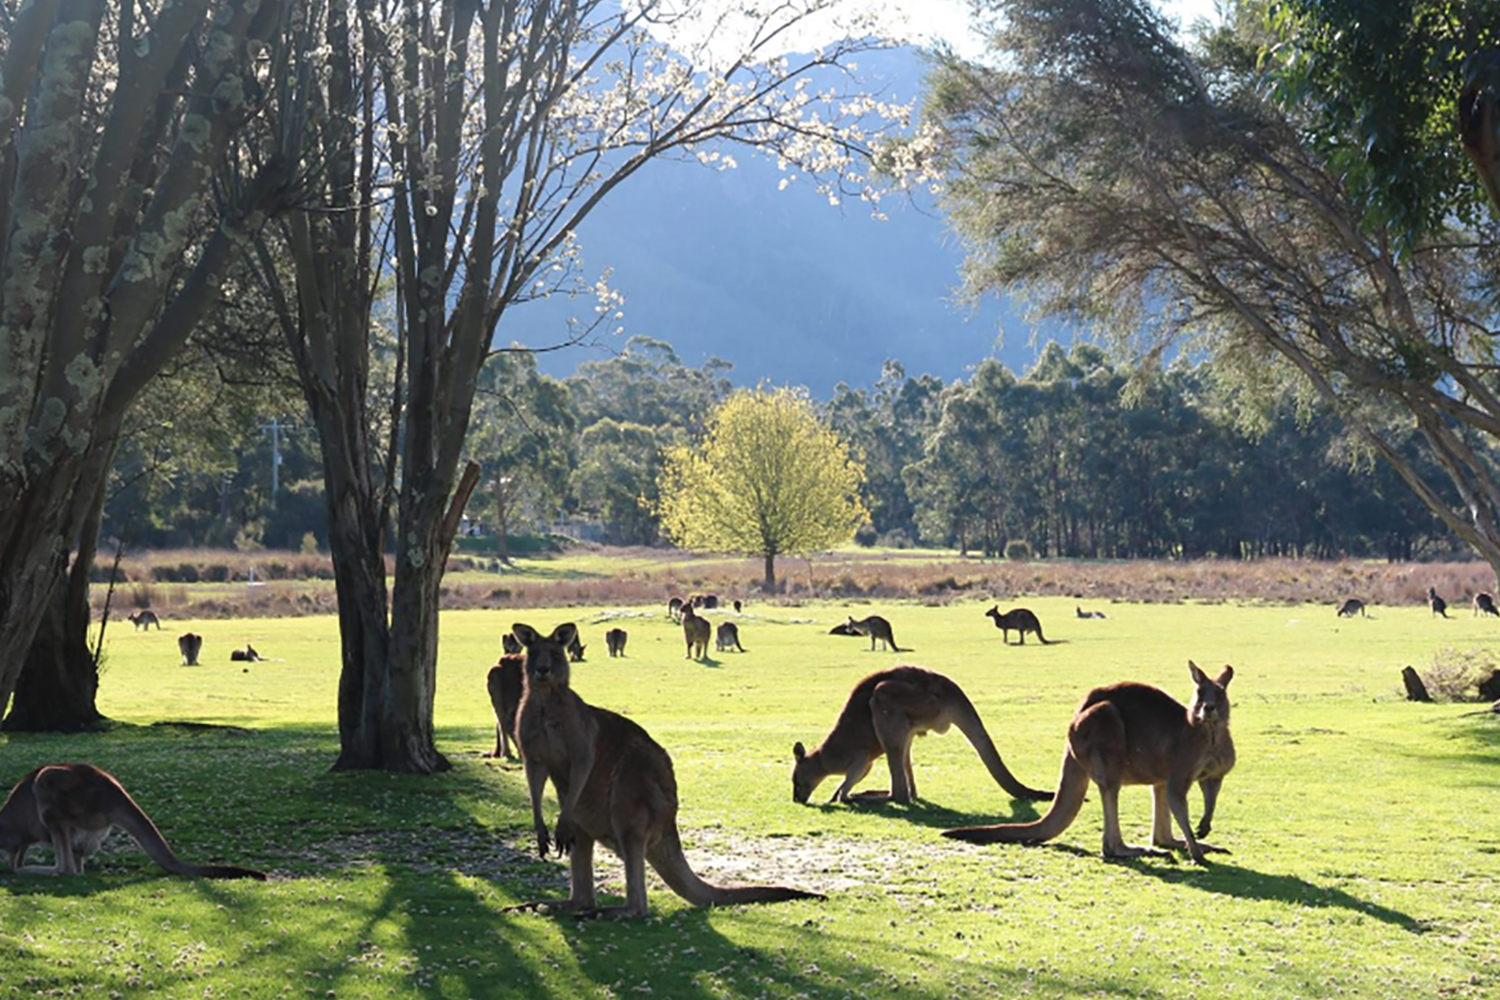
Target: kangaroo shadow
[
  {"x": 921, "y": 812},
  {"x": 1227, "y": 879}
]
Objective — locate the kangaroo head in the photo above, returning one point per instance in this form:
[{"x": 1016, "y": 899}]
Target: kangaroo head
[
  {"x": 546, "y": 656},
  {"x": 1211, "y": 699},
  {"x": 805, "y": 776}
]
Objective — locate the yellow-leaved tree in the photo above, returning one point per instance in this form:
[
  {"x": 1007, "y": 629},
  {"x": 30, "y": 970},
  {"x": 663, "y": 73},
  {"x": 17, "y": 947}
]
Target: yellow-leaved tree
[{"x": 767, "y": 479}]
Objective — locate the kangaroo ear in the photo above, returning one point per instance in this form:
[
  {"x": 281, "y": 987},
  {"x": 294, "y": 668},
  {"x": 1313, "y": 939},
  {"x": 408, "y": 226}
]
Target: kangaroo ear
[
  {"x": 1225, "y": 677},
  {"x": 798, "y": 750},
  {"x": 565, "y": 633},
  {"x": 1199, "y": 677},
  {"x": 525, "y": 634}
]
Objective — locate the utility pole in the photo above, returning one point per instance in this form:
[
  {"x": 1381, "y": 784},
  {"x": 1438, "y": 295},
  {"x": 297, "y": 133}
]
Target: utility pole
[{"x": 275, "y": 428}]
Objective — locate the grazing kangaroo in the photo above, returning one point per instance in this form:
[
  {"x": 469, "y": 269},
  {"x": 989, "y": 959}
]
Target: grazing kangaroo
[
  {"x": 1436, "y": 603},
  {"x": 875, "y": 627},
  {"x": 144, "y": 620},
  {"x": 728, "y": 637},
  {"x": 1021, "y": 619},
  {"x": 695, "y": 629},
  {"x": 615, "y": 786},
  {"x": 1484, "y": 604},
  {"x": 246, "y": 655},
  {"x": 510, "y": 644},
  {"x": 615, "y": 640},
  {"x": 737, "y": 605},
  {"x": 575, "y": 649},
  {"x": 1136, "y": 734},
  {"x": 73, "y": 807},
  {"x": 504, "y": 684},
  {"x": 884, "y": 713},
  {"x": 674, "y": 609},
  {"x": 190, "y": 644},
  {"x": 1353, "y": 606}
]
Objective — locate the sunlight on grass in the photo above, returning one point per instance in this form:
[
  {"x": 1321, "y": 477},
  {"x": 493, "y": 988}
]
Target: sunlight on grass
[{"x": 1363, "y": 828}]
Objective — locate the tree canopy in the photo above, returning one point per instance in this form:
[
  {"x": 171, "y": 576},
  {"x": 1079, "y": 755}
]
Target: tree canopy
[{"x": 767, "y": 479}]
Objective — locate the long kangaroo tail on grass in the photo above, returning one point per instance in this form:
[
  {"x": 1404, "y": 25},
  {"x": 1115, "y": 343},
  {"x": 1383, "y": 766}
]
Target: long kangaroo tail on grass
[
  {"x": 672, "y": 865},
  {"x": 136, "y": 823},
  {"x": 970, "y": 725},
  {"x": 1071, "y": 786}
]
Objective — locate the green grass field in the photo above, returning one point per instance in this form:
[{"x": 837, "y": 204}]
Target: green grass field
[{"x": 1364, "y": 829}]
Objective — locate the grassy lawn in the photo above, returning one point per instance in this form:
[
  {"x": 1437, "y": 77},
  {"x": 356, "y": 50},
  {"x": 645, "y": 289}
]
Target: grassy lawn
[{"x": 1364, "y": 830}]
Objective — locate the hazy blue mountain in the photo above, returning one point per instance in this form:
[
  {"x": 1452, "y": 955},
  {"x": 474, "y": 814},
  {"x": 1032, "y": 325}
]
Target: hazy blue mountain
[{"x": 787, "y": 287}]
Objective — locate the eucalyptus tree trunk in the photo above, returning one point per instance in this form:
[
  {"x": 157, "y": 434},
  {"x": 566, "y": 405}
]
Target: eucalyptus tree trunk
[{"x": 105, "y": 267}]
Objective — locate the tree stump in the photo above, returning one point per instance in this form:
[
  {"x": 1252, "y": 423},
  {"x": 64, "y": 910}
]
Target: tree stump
[{"x": 1415, "y": 689}]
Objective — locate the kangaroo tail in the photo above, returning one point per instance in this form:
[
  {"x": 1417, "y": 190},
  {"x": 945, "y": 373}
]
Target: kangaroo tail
[
  {"x": 672, "y": 865},
  {"x": 1071, "y": 785},
  {"x": 134, "y": 821},
  {"x": 972, "y": 727}
]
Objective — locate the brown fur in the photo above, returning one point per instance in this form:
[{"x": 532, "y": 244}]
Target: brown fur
[
  {"x": 876, "y": 627},
  {"x": 615, "y": 786},
  {"x": 144, "y": 620},
  {"x": 1484, "y": 604},
  {"x": 728, "y": 637},
  {"x": 1023, "y": 620},
  {"x": 190, "y": 644},
  {"x": 885, "y": 712},
  {"x": 1136, "y": 734},
  {"x": 1353, "y": 606},
  {"x": 510, "y": 645},
  {"x": 73, "y": 807},
  {"x": 696, "y": 630},
  {"x": 674, "y": 609},
  {"x": 504, "y": 684},
  {"x": 575, "y": 650},
  {"x": 615, "y": 640}
]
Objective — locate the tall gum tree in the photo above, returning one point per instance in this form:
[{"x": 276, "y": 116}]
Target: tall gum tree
[
  {"x": 1102, "y": 167},
  {"x": 115, "y": 118},
  {"x": 453, "y": 148}
]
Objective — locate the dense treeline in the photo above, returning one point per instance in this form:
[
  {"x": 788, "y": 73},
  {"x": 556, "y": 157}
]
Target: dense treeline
[{"x": 1077, "y": 457}]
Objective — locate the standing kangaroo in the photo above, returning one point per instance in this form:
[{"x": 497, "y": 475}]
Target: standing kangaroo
[
  {"x": 73, "y": 807},
  {"x": 144, "y": 620},
  {"x": 696, "y": 630},
  {"x": 1023, "y": 620},
  {"x": 615, "y": 786},
  {"x": 1484, "y": 604},
  {"x": 1436, "y": 603},
  {"x": 1353, "y": 606},
  {"x": 885, "y": 712},
  {"x": 876, "y": 627},
  {"x": 614, "y": 640},
  {"x": 504, "y": 685},
  {"x": 190, "y": 644},
  {"x": 1136, "y": 734}
]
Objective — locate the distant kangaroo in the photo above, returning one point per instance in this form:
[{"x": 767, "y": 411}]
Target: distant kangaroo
[
  {"x": 614, "y": 639},
  {"x": 1136, "y": 734},
  {"x": 1084, "y": 614},
  {"x": 575, "y": 649},
  {"x": 144, "y": 620},
  {"x": 696, "y": 630},
  {"x": 1484, "y": 604},
  {"x": 885, "y": 712},
  {"x": 674, "y": 608},
  {"x": 246, "y": 655},
  {"x": 614, "y": 786},
  {"x": 504, "y": 685},
  {"x": 72, "y": 807},
  {"x": 1021, "y": 619},
  {"x": 1353, "y": 606},
  {"x": 190, "y": 644},
  {"x": 728, "y": 637},
  {"x": 1436, "y": 603},
  {"x": 876, "y": 627}
]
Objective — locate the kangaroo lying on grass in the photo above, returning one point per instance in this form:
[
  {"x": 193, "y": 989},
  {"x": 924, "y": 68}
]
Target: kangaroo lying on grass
[
  {"x": 884, "y": 713},
  {"x": 615, "y": 786},
  {"x": 72, "y": 807},
  {"x": 1136, "y": 734}
]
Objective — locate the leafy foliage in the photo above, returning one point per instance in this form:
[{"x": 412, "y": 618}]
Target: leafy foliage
[{"x": 768, "y": 479}]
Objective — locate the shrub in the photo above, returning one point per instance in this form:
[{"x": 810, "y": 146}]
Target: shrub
[
  {"x": 1018, "y": 550},
  {"x": 309, "y": 544},
  {"x": 1455, "y": 675}
]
